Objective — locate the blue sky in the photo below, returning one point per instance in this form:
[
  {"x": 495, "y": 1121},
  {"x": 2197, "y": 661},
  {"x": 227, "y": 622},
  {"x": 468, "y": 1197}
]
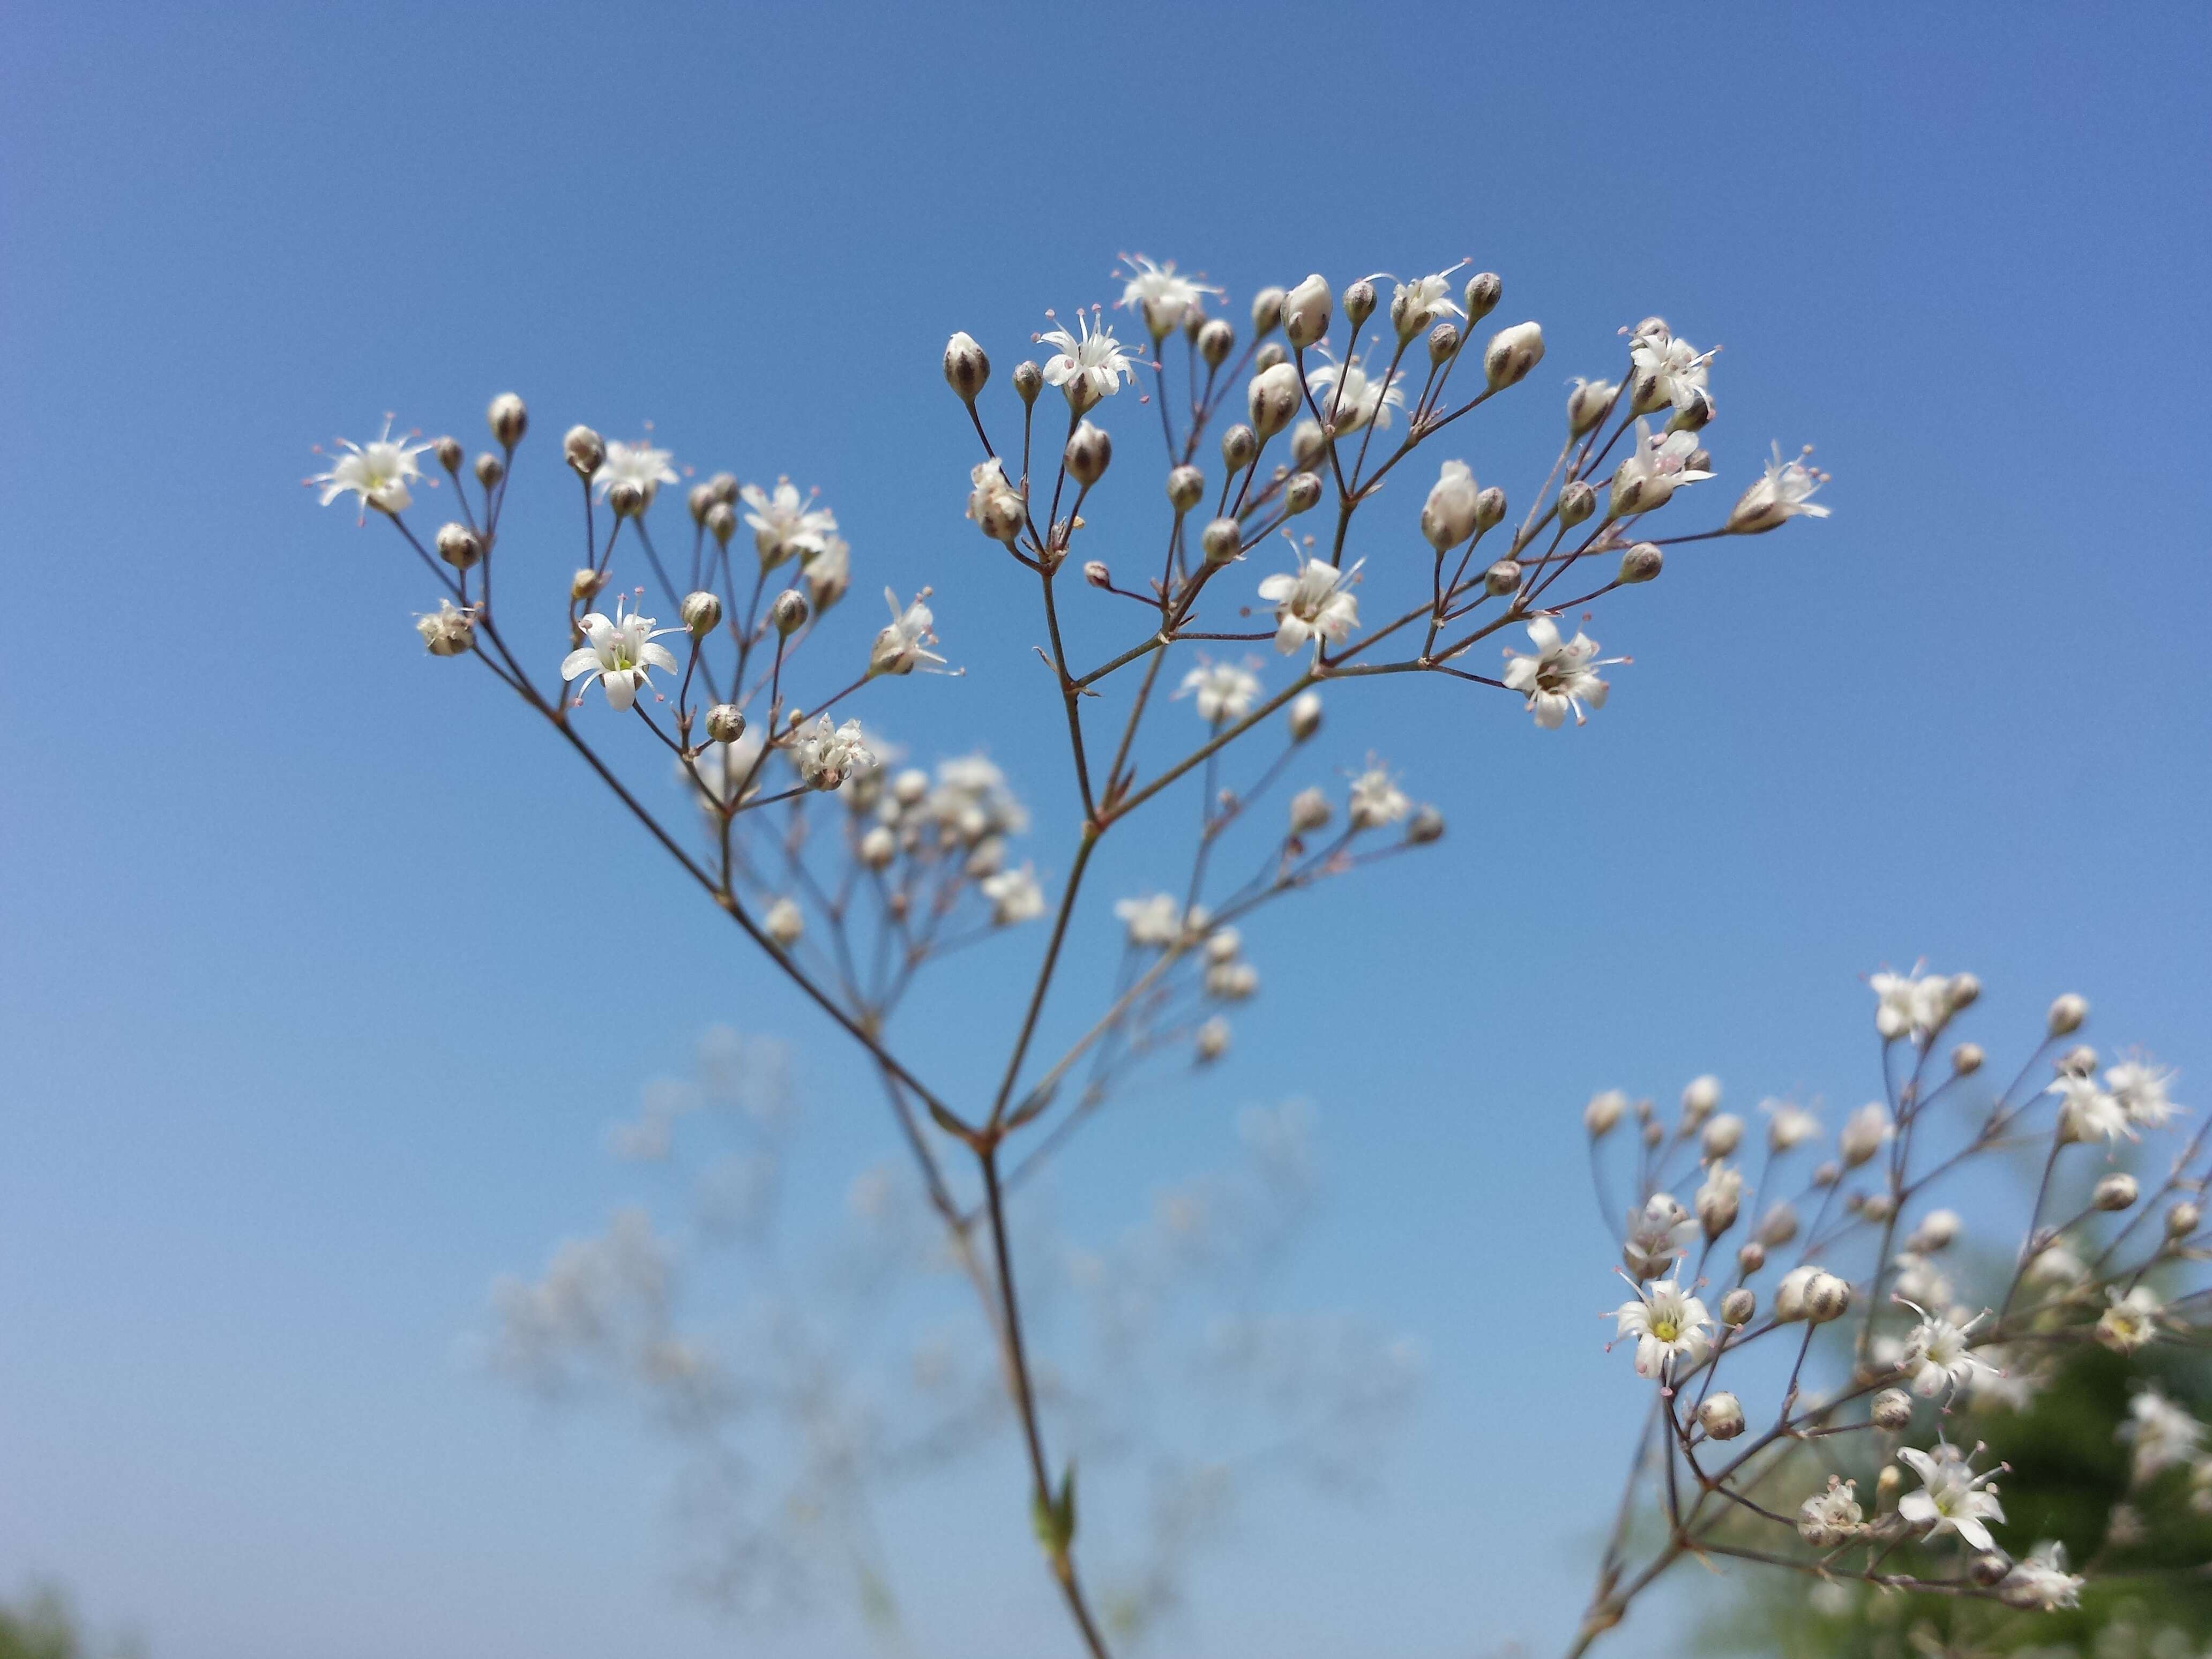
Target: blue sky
[{"x": 307, "y": 1002}]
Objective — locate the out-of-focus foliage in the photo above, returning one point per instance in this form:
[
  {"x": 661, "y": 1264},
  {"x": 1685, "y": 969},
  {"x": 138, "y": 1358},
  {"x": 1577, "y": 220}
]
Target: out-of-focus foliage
[{"x": 42, "y": 1624}]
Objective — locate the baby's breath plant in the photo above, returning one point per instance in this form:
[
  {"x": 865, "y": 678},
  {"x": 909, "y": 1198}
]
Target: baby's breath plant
[{"x": 714, "y": 653}]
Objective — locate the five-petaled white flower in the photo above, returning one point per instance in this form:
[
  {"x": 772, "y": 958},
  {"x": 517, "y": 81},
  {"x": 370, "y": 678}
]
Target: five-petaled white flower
[
  {"x": 1910, "y": 1004},
  {"x": 2086, "y": 1112},
  {"x": 1425, "y": 300},
  {"x": 826, "y": 755},
  {"x": 1670, "y": 371},
  {"x": 1646, "y": 480},
  {"x": 638, "y": 464},
  {"x": 2040, "y": 1581},
  {"x": 1559, "y": 676},
  {"x": 1952, "y": 1495},
  {"x": 618, "y": 652},
  {"x": 1014, "y": 895},
  {"x": 1785, "y": 492},
  {"x": 1792, "y": 1124},
  {"x": 1162, "y": 294},
  {"x": 1376, "y": 800},
  {"x": 2140, "y": 1087},
  {"x": 1939, "y": 1352},
  {"x": 785, "y": 526},
  {"x": 1316, "y": 602},
  {"x": 2131, "y": 1320},
  {"x": 2163, "y": 1435},
  {"x": 1667, "y": 1322},
  {"x": 1221, "y": 690},
  {"x": 1090, "y": 365},
  {"x": 377, "y": 471},
  {"x": 1350, "y": 397},
  {"x": 899, "y": 648}
]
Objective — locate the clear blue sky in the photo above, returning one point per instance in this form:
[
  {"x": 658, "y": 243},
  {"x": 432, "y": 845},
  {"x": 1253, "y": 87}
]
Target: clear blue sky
[{"x": 300, "y": 1049}]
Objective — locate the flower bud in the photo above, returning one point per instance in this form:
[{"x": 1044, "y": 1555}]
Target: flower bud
[
  {"x": 1448, "y": 516},
  {"x": 784, "y": 923},
  {"x": 585, "y": 583},
  {"x": 2182, "y": 1219},
  {"x": 1717, "y": 1206},
  {"x": 1301, "y": 493},
  {"x": 725, "y": 722},
  {"x": 1215, "y": 340},
  {"x": 1641, "y": 562},
  {"x": 1186, "y": 488},
  {"x": 1886, "y": 1486},
  {"x": 2079, "y": 1061},
  {"x": 1090, "y": 451},
  {"x": 1095, "y": 573},
  {"x": 1306, "y": 310},
  {"x": 1966, "y": 1058},
  {"x": 1694, "y": 415},
  {"x": 1964, "y": 991},
  {"x": 878, "y": 847},
  {"x": 1489, "y": 508},
  {"x": 1426, "y": 825},
  {"x": 1358, "y": 303},
  {"x": 457, "y": 546},
  {"x": 489, "y": 470},
  {"x": 1511, "y": 353},
  {"x": 627, "y": 499},
  {"x": 1266, "y": 311},
  {"x": 967, "y": 369},
  {"x": 1699, "y": 1096},
  {"x": 507, "y": 419},
  {"x": 1443, "y": 343},
  {"x": 1273, "y": 398},
  {"x": 1827, "y": 1297},
  {"x": 1751, "y": 1256},
  {"x": 1502, "y": 578},
  {"x": 2066, "y": 1015},
  {"x": 723, "y": 487},
  {"x": 1305, "y": 716},
  {"x": 1738, "y": 1306},
  {"x": 1778, "y": 1226},
  {"x": 449, "y": 453},
  {"x": 1221, "y": 540},
  {"x": 1587, "y": 404},
  {"x": 1790, "y": 1294},
  {"x": 1721, "y": 1416},
  {"x": 788, "y": 612},
  {"x": 1483, "y": 291},
  {"x": 1892, "y": 1409},
  {"x": 1603, "y": 1112},
  {"x": 1937, "y": 1231},
  {"x": 1722, "y": 1136},
  {"x": 1310, "y": 811},
  {"x": 1308, "y": 441},
  {"x": 1827, "y": 1174},
  {"x": 1875, "y": 1207},
  {"x": 1576, "y": 502},
  {"x": 700, "y": 502},
  {"x": 2118, "y": 1191},
  {"x": 1240, "y": 447},
  {"x": 1212, "y": 1040},
  {"x": 1989, "y": 1568},
  {"x": 701, "y": 612},
  {"x": 1268, "y": 355},
  {"x": 584, "y": 450}
]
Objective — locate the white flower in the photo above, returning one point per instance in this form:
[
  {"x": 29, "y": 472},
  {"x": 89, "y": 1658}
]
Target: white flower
[
  {"x": 2131, "y": 1320},
  {"x": 2162, "y": 1433},
  {"x": 898, "y": 649},
  {"x": 1647, "y": 479},
  {"x": 1952, "y": 1495},
  {"x": 2087, "y": 1113},
  {"x": 1349, "y": 397},
  {"x": 1089, "y": 366},
  {"x": 784, "y": 922},
  {"x": 971, "y": 801},
  {"x": 1656, "y": 1235},
  {"x": 1668, "y": 1323},
  {"x": 1232, "y": 982},
  {"x": 826, "y": 755},
  {"x": 1939, "y": 1352},
  {"x": 2040, "y": 1581},
  {"x": 638, "y": 464},
  {"x": 449, "y": 630},
  {"x": 1559, "y": 676},
  {"x": 829, "y": 573},
  {"x": 1425, "y": 300},
  {"x": 784, "y": 525},
  {"x": 1448, "y": 516},
  {"x": 1223, "y": 690},
  {"x": 1014, "y": 895},
  {"x": 1791, "y": 1125},
  {"x": 1670, "y": 371},
  {"x": 2140, "y": 1089},
  {"x": 996, "y": 506},
  {"x": 1785, "y": 492},
  {"x": 1315, "y": 603},
  {"x": 1160, "y": 292},
  {"x": 1910, "y": 1004},
  {"x": 377, "y": 471},
  {"x": 1156, "y": 920},
  {"x": 1831, "y": 1517},
  {"x": 1376, "y": 800},
  {"x": 618, "y": 653}
]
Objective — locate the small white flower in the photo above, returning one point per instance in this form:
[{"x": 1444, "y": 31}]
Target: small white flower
[
  {"x": 971, "y": 802},
  {"x": 2087, "y": 1113},
  {"x": 1784, "y": 493},
  {"x": 1160, "y": 293},
  {"x": 638, "y": 464},
  {"x": 1951, "y": 1496},
  {"x": 996, "y": 506},
  {"x": 1939, "y": 1352},
  {"x": 378, "y": 472},
  {"x": 1088, "y": 365},
  {"x": 1232, "y": 982},
  {"x": 2140, "y": 1089},
  {"x": 618, "y": 653},
  {"x": 1790, "y": 1124},
  {"x": 2038, "y": 1580},
  {"x": 2162, "y": 1434},
  {"x": 826, "y": 755},
  {"x": 1425, "y": 300},
  {"x": 1376, "y": 800},
  {"x": 2132, "y": 1319},
  {"x": 1222, "y": 690},
  {"x": 1014, "y": 895},
  {"x": 447, "y": 631},
  {"x": 1350, "y": 397},
  {"x": 899, "y": 648},
  {"x": 1647, "y": 480},
  {"x": 1668, "y": 1323},
  {"x": 829, "y": 573},
  {"x": 1559, "y": 676},
  {"x": 1911, "y": 1005},
  {"x": 1155, "y": 922},
  {"x": 1832, "y": 1516},
  {"x": 784, "y": 525},
  {"x": 784, "y": 922},
  {"x": 1313, "y": 603},
  {"x": 1656, "y": 1235},
  {"x": 1670, "y": 371}
]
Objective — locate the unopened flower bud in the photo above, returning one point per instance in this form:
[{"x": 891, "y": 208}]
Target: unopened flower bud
[
  {"x": 788, "y": 611},
  {"x": 967, "y": 369},
  {"x": 585, "y": 583},
  {"x": 1483, "y": 291},
  {"x": 1827, "y": 1297},
  {"x": 1892, "y": 1409},
  {"x": 1310, "y": 811},
  {"x": 1028, "y": 380},
  {"x": 1721, "y": 1416},
  {"x": 1426, "y": 825},
  {"x": 1790, "y": 1294},
  {"x": 1502, "y": 578},
  {"x": 1489, "y": 508},
  {"x": 1448, "y": 516},
  {"x": 1308, "y": 441},
  {"x": 1603, "y": 1112},
  {"x": 701, "y": 612},
  {"x": 699, "y": 502},
  {"x": 1722, "y": 1136},
  {"x": 457, "y": 546},
  {"x": 1186, "y": 488},
  {"x": 1691, "y": 417},
  {"x": 723, "y": 487},
  {"x": 1239, "y": 444},
  {"x": 1090, "y": 451},
  {"x": 1095, "y": 573},
  {"x": 584, "y": 450},
  {"x": 878, "y": 847},
  {"x": 1266, "y": 311},
  {"x": 1358, "y": 303},
  {"x": 1273, "y": 398},
  {"x": 1699, "y": 1096},
  {"x": 784, "y": 923},
  {"x": 1827, "y": 1174},
  {"x": 1738, "y": 1306},
  {"x": 2118, "y": 1191},
  {"x": 1751, "y": 1256},
  {"x": 1641, "y": 562},
  {"x": 1576, "y": 502},
  {"x": 1877, "y": 1206},
  {"x": 1966, "y": 1058},
  {"x": 489, "y": 470},
  {"x": 1937, "y": 1231},
  {"x": 1306, "y": 310},
  {"x": 1216, "y": 340},
  {"x": 2066, "y": 1015},
  {"x": 2182, "y": 1219},
  {"x": 507, "y": 419},
  {"x": 1303, "y": 492},
  {"x": 1963, "y": 991},
  {"x": 1268, "y": 355},
  {"x": 1212, "y": 1040},
  {"x": 725, "y": 722},
  {"x": 1587, "y": 404},
  {"x": 449, "y": 453},
  {"x": 1443, "y": 343},
  {"x": 1989, "y": 1568},
  {"x": 1886, "y": 1485},
  {"x": 1511, "y": 353},
  {"x": 1653, "y": 1134},
  {"x": 1221, "y": 540},
  {"x": 1305, "y": 716},
  {"x": 627, "y": 499},
  {"x": 2079, "y": 1061},
  {"x": 1778, "y": 1226}
]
